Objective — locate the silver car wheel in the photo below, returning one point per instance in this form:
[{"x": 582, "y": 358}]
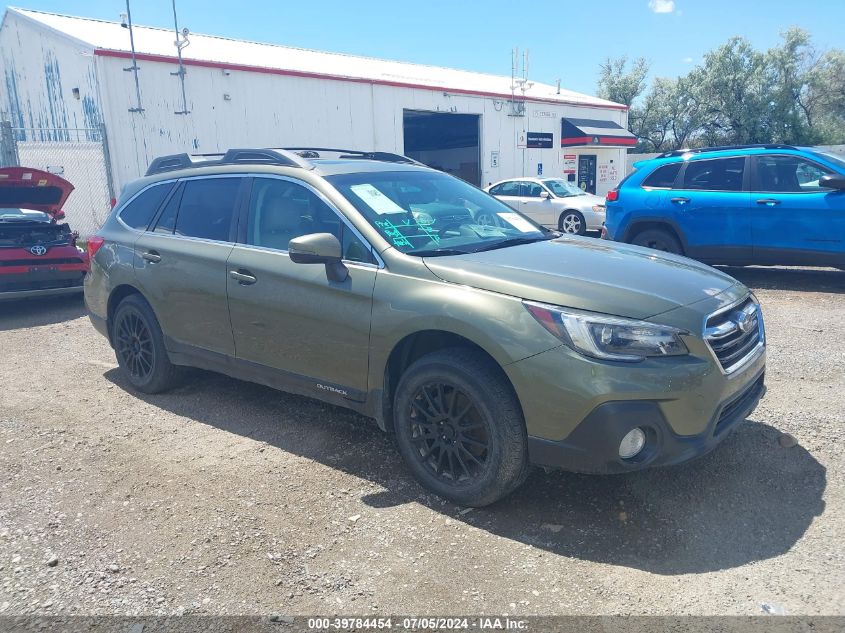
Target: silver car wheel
[{"x": 571, "y": 223}]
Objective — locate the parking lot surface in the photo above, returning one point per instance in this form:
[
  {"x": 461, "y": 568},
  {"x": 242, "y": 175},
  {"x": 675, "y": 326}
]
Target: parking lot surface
[{"x": 228, "y": 497}]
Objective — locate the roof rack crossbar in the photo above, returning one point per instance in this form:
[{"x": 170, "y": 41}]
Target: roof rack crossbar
[
  {"x": 699, "y": 150},
  {"x": 248, "y": 156},
  {"x": 388, "y": 157}
]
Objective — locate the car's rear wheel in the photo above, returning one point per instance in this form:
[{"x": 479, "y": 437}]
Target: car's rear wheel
[
  {"x": 659, "y": 240},
  {"x": 459, "y": 427},
  {"x": 572, "y": 221},
  {"x": 139, "y": 347}
]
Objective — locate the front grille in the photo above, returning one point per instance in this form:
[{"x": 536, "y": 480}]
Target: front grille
[
  {"x": 734, "y": 333},
  {"x": 41, "y": 262},
  {"x": 44, "y": 284}
]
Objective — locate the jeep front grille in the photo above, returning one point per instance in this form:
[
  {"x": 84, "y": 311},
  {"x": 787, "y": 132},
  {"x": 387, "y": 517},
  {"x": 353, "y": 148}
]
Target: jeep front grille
[{"x": 735, "y": 334}]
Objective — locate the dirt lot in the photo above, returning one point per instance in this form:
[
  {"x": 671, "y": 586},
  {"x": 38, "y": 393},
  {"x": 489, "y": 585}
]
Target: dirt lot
[{"x": 227, "y": 497}]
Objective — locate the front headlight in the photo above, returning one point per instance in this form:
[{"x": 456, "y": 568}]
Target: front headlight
[{"x": 608, "y": 338}]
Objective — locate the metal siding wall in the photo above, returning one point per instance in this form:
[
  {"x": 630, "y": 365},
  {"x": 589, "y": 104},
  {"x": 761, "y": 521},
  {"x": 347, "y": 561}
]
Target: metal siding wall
[
  {"x": 268, "y": 110},
  {"x": 38, "y": 71}
]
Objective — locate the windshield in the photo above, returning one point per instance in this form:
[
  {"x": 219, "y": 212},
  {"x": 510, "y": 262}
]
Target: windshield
[
  {"x": 23, "y": 215},
  {"x": 428, "y": 213},
  {"x": 562, "y": 188}
]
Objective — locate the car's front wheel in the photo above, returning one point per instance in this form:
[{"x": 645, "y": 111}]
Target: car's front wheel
[
  {"x": 659, "y": 240},
  {"x": 139, "y": 347},
  {"x": 459, "y": 427},
  {"x": 572, "y": 221}
]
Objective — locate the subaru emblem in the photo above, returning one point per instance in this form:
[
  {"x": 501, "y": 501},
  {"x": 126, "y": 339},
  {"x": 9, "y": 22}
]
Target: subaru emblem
[
  {"x": 38, "y": 250},
  {"x": 744, "y": 321}
]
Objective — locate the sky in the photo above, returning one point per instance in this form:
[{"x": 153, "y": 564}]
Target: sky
[{"x": 567, "y": 39}]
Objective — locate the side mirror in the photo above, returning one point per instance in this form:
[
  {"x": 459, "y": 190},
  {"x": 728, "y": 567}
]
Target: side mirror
[
  {"x": 832, "y": 181},
  {"x": 58, "y": 215},
  {"x": 546, "y": 195},
  {"x": 319, "y": 248}
]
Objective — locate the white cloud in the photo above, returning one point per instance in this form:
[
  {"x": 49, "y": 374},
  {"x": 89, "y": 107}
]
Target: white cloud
[
  {"x": 661, "y": 6},
  {"x": 687, "y": 60}
]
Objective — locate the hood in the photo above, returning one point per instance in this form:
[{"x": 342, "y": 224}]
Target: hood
[
  {"x": 23, "y": 187},
  {"x": 587, "y": 274}
]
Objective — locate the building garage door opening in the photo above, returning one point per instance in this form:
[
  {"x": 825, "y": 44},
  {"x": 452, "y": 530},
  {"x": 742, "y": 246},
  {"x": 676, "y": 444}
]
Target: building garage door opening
[{"x": 448, "y": 142}]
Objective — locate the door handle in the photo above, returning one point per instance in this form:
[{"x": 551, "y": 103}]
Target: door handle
[
  {"x": 244, "y": 278},
  {"x": 768, "y": 201},
  {"x": 152, "y": 257},
  {"x": 680, "y": 200}
]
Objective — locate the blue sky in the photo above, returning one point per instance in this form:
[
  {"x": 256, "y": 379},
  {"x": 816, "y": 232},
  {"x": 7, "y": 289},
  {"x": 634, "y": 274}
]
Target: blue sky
[{"x": 567, "y": 39}]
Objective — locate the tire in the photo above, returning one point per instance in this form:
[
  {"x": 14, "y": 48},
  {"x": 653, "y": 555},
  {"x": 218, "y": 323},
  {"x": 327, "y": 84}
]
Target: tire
[
  {"x": 572, "y": 222},
  {"x": 659, "y": 240},
  {"x": 459, "y": 427},
  {"x": 139, "y": 347}
]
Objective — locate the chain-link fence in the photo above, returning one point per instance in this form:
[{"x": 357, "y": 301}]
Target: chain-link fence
[{"x": 80, "y": 156}]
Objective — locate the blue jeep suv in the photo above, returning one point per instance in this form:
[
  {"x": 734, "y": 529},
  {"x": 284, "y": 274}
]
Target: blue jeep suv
[{"x": 751, "y": 204}]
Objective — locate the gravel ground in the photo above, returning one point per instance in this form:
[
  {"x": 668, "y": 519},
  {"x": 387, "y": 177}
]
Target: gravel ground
[{"x": 227, "y": 497}]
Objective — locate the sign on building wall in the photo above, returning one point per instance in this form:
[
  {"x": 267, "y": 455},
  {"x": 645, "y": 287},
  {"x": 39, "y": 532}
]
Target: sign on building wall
[
  {"x": 494, "y": 158},
  {"x": 569, "y": 161},
  {"x": 522, "y": 139},
  {"x": 540, "y": 140}
]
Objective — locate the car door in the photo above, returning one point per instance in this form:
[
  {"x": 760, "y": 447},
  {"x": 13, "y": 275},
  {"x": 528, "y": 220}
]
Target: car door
[
  {"x": 538, "y": 203},
  {"x": 180, "y": 263},
  {"x": 509, "y": 193},
  {"x": 710, "y": 206},
  {"x": 289, "y": 319},
  {"x": 794, "y": 219}
]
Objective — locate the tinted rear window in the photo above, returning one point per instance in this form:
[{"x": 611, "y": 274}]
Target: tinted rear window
[
  {"x": 506, "y": 189},
  {"x": 722, "y": 174},
  {"x": 141, "y": 210},
  {"x": 663, "y": 177},
  {"x": 207, "y": 207}
]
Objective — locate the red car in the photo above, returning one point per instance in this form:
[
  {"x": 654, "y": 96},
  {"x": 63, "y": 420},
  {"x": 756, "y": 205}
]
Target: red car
[{"x": 38, "y": 253}]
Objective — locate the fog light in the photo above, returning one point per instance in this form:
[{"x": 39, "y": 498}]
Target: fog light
[{"x": 632, "y": 443}]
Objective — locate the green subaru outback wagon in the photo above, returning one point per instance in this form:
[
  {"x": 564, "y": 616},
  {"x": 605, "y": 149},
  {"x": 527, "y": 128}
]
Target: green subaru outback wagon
[{"x": 483, "y": 342}]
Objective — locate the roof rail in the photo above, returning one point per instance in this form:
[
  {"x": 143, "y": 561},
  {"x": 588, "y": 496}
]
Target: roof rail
[
  {"x": 387, "y": 157},
  {"x": 699, "y": 150},
  {"x": 248, "y": 156}
]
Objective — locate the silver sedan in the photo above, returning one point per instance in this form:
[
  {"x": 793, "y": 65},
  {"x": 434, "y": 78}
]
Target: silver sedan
[{"x": 552, "y": 202}]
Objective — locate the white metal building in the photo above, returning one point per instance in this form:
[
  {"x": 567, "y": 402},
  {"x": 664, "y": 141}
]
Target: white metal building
[{"x": 69, "y": 72}]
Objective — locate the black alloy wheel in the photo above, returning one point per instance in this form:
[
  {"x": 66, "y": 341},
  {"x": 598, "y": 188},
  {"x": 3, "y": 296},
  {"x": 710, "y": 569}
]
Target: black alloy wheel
[
  {"x": 451, "y": 437},
  {"x": 134, "y": 345}
]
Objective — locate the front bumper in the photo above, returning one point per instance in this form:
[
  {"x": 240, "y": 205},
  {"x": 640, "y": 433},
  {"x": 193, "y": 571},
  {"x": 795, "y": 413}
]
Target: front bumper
[
  {"x": 67, "y": 280},
  {"x": 45, "y": 292},
  {"x": 593, "y": 446}
]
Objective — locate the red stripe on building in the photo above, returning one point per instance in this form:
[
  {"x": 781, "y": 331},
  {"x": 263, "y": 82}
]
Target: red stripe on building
[
  {"x": 603, "y": 140},
  {"x": 102, "y": 52}
]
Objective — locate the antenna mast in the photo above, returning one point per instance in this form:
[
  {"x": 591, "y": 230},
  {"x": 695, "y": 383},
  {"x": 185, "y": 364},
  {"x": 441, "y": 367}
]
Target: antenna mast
[
  {"x": 180, "y": 43},
  {"x": 134, "y": 67}
]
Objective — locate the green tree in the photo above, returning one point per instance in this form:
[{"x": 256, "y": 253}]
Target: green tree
[
  {"x": 621, "y": 84},
  {"x": 791, "y": 93}
]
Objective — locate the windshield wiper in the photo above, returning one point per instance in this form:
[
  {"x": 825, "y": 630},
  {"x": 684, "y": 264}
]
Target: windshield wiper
[
  {"x": 436, "y": 252},
  {"x": 513, "y": 241}
]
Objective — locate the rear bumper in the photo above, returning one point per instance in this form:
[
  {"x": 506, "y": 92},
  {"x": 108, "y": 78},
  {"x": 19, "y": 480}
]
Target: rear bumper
[
  {"x": 100, "y": 324},
  {"x": 593, "y": 445}
]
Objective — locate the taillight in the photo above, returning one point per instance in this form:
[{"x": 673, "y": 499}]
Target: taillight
[
  {"x": 612, "y": 195},
  {"x": 95, "y": 243},
  {"x": 113, "y": 202}
]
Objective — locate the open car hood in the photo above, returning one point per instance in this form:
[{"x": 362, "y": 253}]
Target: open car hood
[{"x": 26, "y": 188}]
